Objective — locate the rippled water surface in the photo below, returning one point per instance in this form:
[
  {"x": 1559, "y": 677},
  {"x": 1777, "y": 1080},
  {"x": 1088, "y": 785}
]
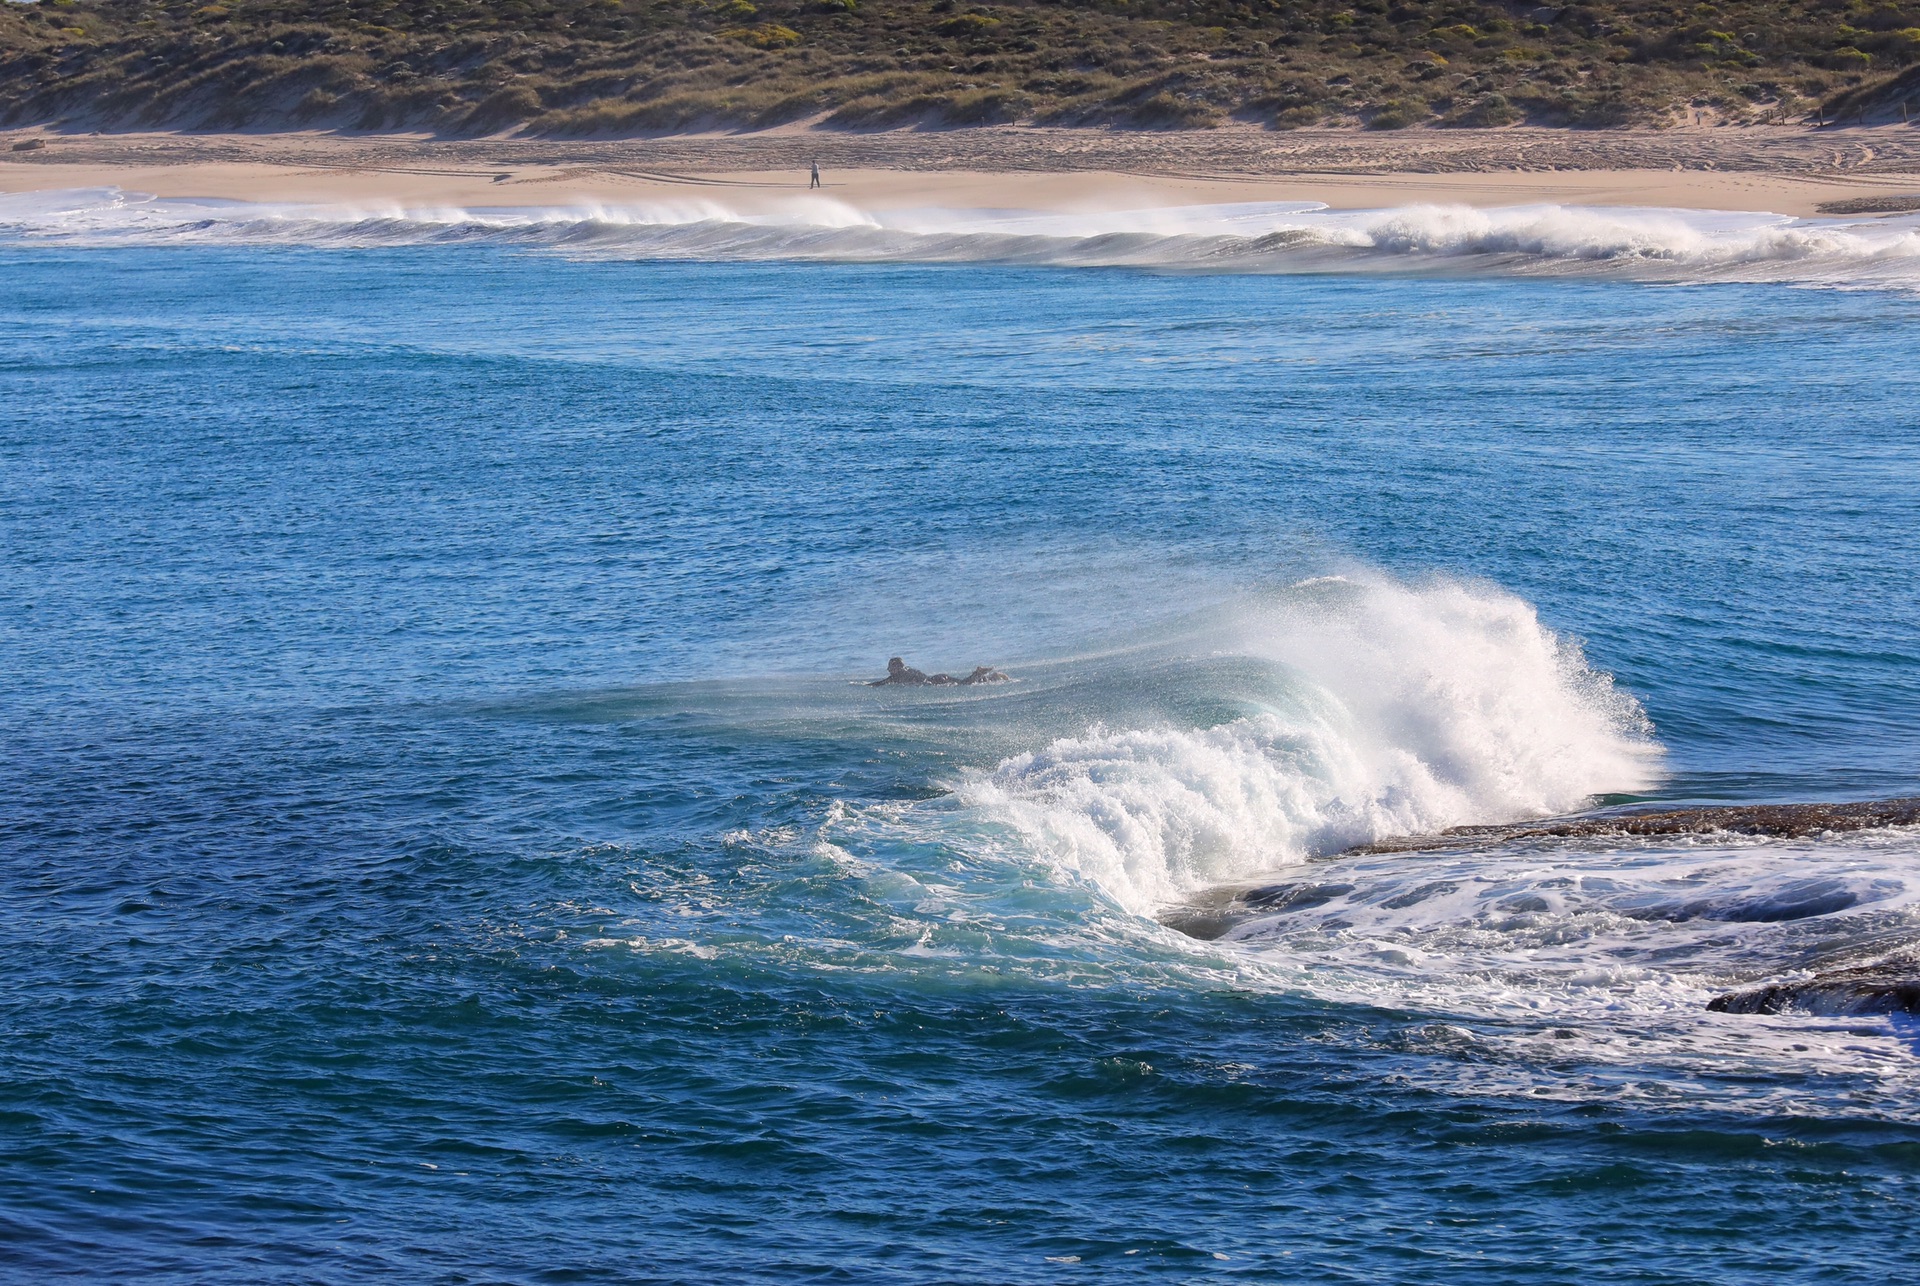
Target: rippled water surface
[{"x": 444, "y": 839}]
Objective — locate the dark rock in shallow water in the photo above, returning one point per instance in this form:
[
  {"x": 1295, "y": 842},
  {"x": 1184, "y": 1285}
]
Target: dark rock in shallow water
[
  {"x": 1414, "y": 897},
  {"x": 1783, "y": 821},
  {"x": 1800, "y": 900},
  {"x": 1217, "y": 910},
  {"x": 1889, "y": 987},
  {"x": 1293, "y": 897}
]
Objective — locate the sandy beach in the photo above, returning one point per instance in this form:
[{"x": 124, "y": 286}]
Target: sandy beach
[{"x": 1791, "y": 171}]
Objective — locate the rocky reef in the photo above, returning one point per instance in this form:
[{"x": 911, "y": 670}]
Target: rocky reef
[
  {"x": 1211, "y": 913},
  {"x": 1781, "y": 821},
  {"x": 1890, "y": 986}
]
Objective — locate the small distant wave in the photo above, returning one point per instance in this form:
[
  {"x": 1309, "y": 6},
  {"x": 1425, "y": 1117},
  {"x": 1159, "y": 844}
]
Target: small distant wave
[
  {"x": 1394, "y": 709},
  {"x": 1650, "y": 244}
]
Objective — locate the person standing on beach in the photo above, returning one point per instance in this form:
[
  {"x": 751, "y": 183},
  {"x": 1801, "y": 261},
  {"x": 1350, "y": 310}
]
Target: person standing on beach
[{"x": 816, "y": 177}]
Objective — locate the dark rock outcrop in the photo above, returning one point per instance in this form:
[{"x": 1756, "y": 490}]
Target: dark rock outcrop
[
  {"x": 1782, "y": 821},
  {"x": 1888, "y": 987},
  {"x": 1213, "y": 912},
  {"x": 1218, "y": 910},
  {"x": 1872, "y": 205}
]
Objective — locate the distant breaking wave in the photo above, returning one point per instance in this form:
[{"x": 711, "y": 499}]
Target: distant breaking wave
[{"x": 1650, "y": 244}]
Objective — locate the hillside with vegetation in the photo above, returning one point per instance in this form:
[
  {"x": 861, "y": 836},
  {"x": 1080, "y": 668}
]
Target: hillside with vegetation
[{"x": 605, "y": 67}]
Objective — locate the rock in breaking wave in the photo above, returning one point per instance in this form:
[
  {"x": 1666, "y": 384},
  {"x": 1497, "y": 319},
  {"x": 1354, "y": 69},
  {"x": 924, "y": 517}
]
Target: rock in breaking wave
[
  {"x": 1889, "y": 987},
  {"x": 1783, "y": 821},
  {"x": 1212, "y": 912}
]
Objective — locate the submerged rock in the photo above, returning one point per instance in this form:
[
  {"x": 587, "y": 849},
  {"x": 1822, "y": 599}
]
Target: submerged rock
[
  {"x": 1292, "y": 897},
  {"x": 1216, "y": 911},
  {"x": 1889, "y": 987},
  {"x": 1798, "y": 900},
  {"x": 1782, "y": 821}
]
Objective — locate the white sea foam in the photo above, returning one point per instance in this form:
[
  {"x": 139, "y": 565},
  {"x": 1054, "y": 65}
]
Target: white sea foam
[
  {"x": 1606, "y": 952},
  {"x": 1397, "y": 709},
  {"x": 1248, "y": 237}
]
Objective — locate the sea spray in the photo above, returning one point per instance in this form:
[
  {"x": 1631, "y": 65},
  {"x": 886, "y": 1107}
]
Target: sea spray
[{"x": 1398, "y": 708}]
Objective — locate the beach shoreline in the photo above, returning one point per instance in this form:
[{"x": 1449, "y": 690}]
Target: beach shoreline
[{"x": 1788, "y": 171}]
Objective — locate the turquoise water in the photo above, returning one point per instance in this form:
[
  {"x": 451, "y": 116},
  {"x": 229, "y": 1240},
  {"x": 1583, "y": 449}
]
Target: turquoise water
[{"x": 443, "y": 838}]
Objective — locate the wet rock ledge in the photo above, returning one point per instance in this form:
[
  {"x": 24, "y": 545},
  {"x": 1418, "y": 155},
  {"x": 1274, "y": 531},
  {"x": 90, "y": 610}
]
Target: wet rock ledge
[
  {"x": 1891, "y": 986},
  {"x": 1782, "y": 821},
  {"x": 1213, "y": 912}
]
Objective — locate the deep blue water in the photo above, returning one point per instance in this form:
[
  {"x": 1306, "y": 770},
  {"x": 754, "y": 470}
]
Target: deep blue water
[{"x": 439, "y": 840}]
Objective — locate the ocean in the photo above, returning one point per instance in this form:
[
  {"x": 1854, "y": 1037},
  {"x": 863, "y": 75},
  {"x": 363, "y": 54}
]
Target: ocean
[{"x": 448, "y": 833}]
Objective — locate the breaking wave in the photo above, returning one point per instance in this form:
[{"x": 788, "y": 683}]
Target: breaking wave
[
  {"x": 1256, "y": 237},
  {"x": 1370, "y": 707},
  {"x": 1381, "y": 708}
]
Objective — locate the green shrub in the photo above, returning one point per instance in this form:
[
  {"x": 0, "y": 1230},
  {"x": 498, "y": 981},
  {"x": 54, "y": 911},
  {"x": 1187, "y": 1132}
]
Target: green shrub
[
  {"x": 767, "y": 35},
  {"x": 1397, "y": 114},
  {"x": 505, "y": 107},
  {"x": 968, "y": 24},
  {"x": 1165, "y": 110},
  {"x": 1847, "y": 58},
  {"x": 1485, "y": 112}
]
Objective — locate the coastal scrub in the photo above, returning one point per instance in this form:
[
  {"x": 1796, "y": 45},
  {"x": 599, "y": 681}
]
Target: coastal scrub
[{"x": 585, "y": 67}]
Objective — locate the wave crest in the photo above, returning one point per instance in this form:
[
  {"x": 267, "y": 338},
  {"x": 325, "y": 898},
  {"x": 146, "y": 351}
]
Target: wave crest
[
  {"x": 1394, "y": 709},
  {"x": 1251, "y": 237}
]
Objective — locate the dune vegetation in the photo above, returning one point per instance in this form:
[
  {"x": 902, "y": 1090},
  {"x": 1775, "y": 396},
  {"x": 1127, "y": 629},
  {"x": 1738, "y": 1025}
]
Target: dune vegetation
[{"x": 608, "y": 67}]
